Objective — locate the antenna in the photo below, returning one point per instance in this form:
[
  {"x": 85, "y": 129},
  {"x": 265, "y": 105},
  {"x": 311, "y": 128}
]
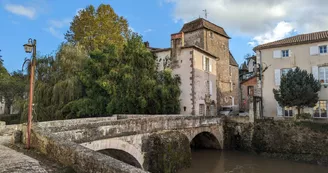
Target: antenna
[{"x": 206, "y": 13}]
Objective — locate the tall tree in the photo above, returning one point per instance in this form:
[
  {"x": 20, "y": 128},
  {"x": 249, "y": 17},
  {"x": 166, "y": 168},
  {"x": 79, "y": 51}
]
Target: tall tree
[
  {"x": 97, "y": 28},
  {"x": 297, "y": 89},
  {"x": 57, "y": 82}
]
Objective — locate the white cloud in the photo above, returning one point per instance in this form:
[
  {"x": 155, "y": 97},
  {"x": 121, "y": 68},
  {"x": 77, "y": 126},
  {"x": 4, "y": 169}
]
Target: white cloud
[
  {"x": 148, "y": 30},
  {"x": 282, "y": 30},
  {"x": 257, "y": 18},
  {"x": 21, "y": 10},
  {"x": 56, "y": 26},
  {"x": 54, "y": 32},
  {"x": 59, "y": 23}
]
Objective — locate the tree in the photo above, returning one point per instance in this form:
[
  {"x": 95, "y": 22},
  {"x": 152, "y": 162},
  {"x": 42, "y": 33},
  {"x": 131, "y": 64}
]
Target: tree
[
  {"x": 297, "y": 89},
  {"x": 57, "y": 82},
  {"x": 12, "y": 89},
  {"x": 96, "y": 29}
]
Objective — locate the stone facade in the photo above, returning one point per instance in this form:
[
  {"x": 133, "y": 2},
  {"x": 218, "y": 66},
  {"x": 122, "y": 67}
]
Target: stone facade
[{"x": 196, "y": 40}]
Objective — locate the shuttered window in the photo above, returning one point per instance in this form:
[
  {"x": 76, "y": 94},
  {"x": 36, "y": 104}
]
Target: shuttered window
[{"x": 323, "y": 75}]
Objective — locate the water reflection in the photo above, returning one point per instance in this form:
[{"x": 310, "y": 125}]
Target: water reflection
[{"x": 214, "y": 161}]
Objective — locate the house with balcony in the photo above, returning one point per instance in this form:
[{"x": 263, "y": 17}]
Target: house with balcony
[
  {"x": 200, "y": 55},
  {"x": 307, "y": 51}
]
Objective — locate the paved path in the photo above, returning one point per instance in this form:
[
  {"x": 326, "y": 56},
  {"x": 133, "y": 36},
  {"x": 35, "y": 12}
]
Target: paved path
[{"x": 12, "y": 161}]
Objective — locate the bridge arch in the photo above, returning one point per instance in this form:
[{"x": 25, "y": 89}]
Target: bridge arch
[
  {"x": 112, "y": 146},
  {"x": 205, "y": 135}
]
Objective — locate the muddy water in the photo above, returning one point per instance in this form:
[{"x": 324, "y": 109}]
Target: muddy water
[{"x": 213, "y": 161}]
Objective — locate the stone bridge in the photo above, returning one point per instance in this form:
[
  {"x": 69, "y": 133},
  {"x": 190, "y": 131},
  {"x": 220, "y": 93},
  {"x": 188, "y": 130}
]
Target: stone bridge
[{"x": 90, "y": 145}]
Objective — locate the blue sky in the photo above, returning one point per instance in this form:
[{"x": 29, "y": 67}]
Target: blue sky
[{"x": 47, "y": 21}]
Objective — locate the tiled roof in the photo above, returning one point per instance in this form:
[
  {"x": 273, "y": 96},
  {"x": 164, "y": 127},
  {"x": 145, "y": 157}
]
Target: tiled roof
[
  {"x": 296, "y": 40},
  {"x": 232, "y": 60},
  {"x": 202, "y": 23}
]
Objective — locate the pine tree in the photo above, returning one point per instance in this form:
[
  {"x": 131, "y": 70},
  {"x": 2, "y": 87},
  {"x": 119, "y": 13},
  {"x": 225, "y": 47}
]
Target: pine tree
[{"x": 299, "y": 89}]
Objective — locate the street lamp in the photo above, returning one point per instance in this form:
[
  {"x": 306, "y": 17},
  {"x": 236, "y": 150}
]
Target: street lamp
[{"x": 30, "y": 47}]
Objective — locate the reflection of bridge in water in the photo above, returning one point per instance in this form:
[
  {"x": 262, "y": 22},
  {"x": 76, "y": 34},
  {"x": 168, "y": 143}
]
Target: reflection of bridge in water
[{"x": 74, "y": 142}]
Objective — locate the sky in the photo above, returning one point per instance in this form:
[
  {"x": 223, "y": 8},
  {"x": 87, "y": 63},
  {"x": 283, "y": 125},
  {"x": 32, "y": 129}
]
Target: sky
[{"x": 247, "y": 22}]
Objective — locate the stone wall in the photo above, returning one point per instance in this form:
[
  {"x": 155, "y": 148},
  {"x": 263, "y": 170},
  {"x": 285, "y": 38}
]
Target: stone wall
[
  {"x": 166, "y": 152},
  {"x": 299, "y": 141},
  {"x": 238, "y": 133}
]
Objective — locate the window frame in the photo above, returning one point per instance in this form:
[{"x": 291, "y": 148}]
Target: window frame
[
  {"x": 202, "y": 109},
  {"x": 289, "y": 110},
  {"x": 319, "y": 107},
  {"x": 284, "y": 53},
  {"x": 322, "y": 46},
  {"x": 207, "y": 64},
  {"x": 325, "y": 77}
]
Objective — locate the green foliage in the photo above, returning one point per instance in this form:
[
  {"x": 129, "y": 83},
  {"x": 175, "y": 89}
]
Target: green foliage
[
  {"x": 298, "y": 88},
  {"x": 12, "y": 88},
  {"x": 97, "y": 28},
  {"x": 304, "y": 116},
  {"x": 74, "y": 85},
  {"x": 317, "y": 127}
]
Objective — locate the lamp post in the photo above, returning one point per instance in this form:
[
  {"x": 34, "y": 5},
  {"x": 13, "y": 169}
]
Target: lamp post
[{"x": 30, "y": 47}]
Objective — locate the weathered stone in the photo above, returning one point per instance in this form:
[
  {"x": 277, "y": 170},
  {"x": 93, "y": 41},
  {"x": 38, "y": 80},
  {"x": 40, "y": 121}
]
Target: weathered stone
[{"x": 166, "y": 152}]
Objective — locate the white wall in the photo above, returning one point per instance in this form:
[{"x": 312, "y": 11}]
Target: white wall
[{"x": 299, "y": 56}]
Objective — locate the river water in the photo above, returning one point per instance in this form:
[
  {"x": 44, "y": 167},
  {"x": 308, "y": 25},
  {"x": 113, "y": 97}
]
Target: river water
[{"x": 214, "y": 161}]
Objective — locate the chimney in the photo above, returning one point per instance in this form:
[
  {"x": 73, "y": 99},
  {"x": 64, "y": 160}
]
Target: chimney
[{"x": 146, "y": 44}]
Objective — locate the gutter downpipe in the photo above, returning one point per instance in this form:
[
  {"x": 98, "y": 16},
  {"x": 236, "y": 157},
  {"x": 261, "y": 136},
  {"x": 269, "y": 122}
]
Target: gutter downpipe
[{"x": 261, "y": 83}]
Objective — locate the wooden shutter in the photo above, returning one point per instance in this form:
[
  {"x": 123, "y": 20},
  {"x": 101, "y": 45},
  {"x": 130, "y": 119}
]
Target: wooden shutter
[
  {"x": 314, "y": 50},
  {"x": 279, "y": 110},
  {"x": 204, "y": 62},
  {"x": 315, "y": 72},
  {"x": 210, "y": 64},
  {"x": 211, "y": 88},
  {"x": 277, "y": 76},
  {"x": 277, "y": 54}
]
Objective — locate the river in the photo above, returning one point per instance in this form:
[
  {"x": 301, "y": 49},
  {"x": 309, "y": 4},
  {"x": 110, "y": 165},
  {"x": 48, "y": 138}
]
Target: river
[{"x": 214, "y": 161}]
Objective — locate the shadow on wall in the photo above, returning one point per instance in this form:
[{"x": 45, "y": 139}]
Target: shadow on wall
[
  {"x": 205, "y": 140},
  {"x": 122, "y": 156}
]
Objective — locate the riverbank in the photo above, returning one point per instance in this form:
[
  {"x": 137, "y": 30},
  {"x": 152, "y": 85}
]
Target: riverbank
[{"x": 301, "y": 141}]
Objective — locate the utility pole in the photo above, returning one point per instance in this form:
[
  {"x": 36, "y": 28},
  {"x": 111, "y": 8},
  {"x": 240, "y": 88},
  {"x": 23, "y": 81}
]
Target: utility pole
[{"x": 206, "y": 13}]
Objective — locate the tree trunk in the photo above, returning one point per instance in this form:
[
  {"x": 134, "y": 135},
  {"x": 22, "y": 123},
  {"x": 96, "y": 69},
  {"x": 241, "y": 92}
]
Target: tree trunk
[{"x": 298, "y": 111}]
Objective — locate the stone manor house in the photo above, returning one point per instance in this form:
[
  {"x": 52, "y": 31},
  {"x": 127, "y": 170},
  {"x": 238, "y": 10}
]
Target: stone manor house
[{"x": 200, "y": 55}]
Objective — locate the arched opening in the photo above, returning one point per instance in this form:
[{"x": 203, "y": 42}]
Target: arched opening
[
  {"x": 205, "y": 140},
  {"x": 122, "y": 156}
]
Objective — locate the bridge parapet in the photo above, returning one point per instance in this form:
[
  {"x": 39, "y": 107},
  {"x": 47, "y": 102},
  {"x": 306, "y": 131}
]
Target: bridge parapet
[{"x": 95, "y": 130}]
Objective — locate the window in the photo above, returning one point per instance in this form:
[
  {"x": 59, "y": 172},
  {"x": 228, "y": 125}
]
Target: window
[
  {"x": 285, "y": 53},
  {"x": 184, "y": 108},
  {"x": 284, "y": 71},
  {"x": 323, "y": 49},
  {"x": 320, "y": 109},
  {"x": 211, "y": 34},
  {"x": 288, "y": 112},
  {"x": 207, "y": 64},
  {"x": 323, "y": 74},
  {"x": 201, "y": 109},
  {"x": 250, "y": 90}
]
